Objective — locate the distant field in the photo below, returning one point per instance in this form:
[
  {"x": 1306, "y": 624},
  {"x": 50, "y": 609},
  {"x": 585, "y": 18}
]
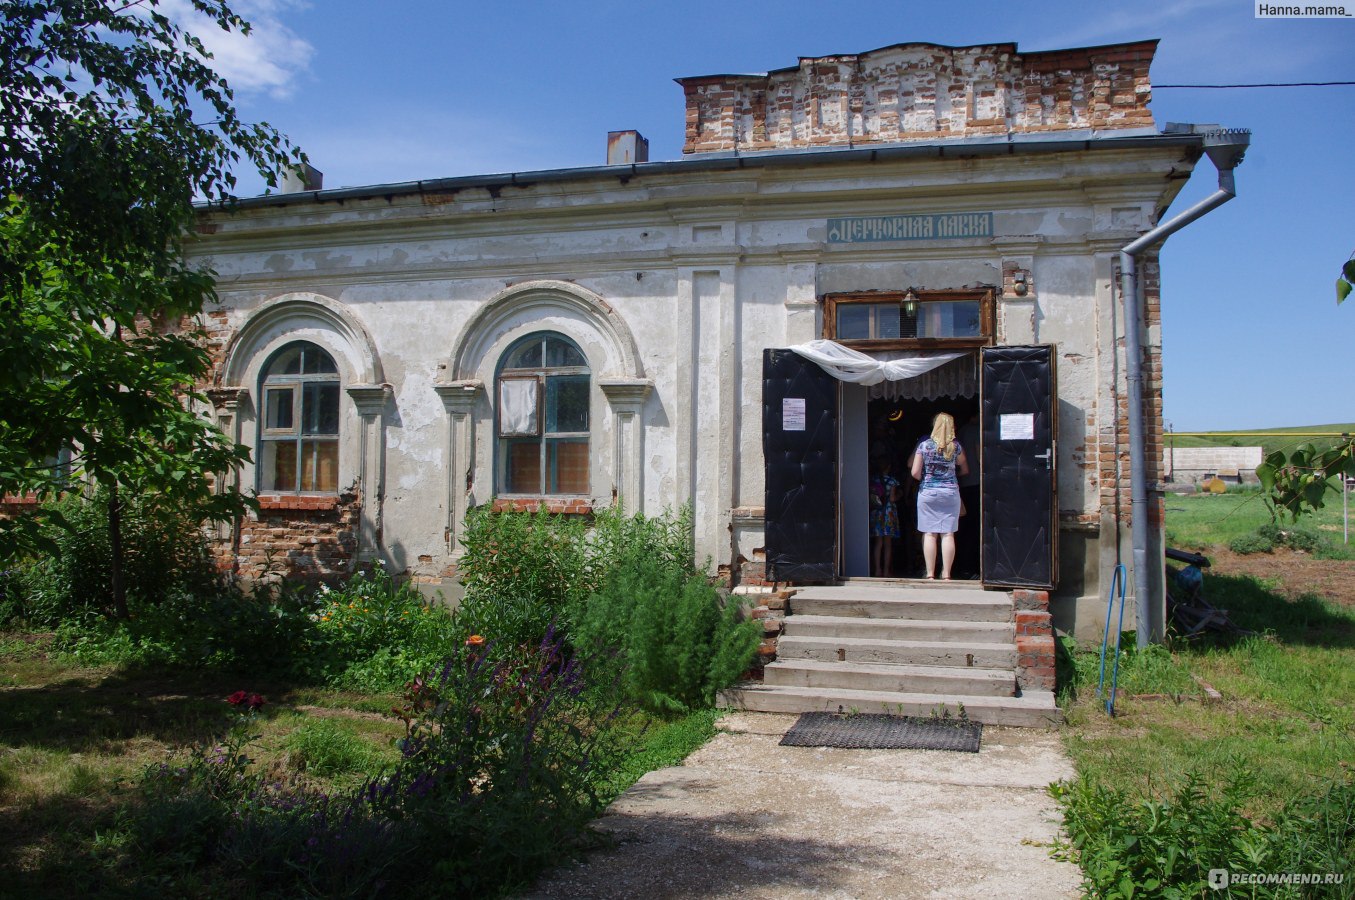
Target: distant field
[{"x": 1262, "y": 437}]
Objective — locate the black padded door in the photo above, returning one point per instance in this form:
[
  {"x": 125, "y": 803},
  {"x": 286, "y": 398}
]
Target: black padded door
[
  {"x": 1020, "y": 529},
  {"x": 799, "y": 450}
]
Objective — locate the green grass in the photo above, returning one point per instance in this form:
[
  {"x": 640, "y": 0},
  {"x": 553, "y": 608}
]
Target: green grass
[{"x": 1205, "y": 521}]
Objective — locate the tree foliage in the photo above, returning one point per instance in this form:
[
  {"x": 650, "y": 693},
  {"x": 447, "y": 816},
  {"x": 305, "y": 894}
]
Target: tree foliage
[
  {"x": 1346, "y": 281},
  {"x": 112, "y": 121},
  {"x": 1298, "y": 482}
]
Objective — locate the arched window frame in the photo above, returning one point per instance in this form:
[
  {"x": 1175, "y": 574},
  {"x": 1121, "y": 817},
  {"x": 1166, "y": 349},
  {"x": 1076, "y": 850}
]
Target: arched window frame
[
  {"x": 300, "y": 419},
  {"x": 543, "y": 418}
]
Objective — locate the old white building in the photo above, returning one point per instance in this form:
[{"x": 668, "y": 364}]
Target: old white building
[{"x": 398, "y": 354}]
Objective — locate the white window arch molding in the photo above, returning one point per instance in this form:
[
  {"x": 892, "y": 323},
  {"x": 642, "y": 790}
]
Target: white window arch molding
[
  {"x": 319, "y": 320},
  {"x": 618, "y": 393}
]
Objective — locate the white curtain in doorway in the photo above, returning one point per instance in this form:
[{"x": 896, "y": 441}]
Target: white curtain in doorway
[{"x": 890, "y": 374}]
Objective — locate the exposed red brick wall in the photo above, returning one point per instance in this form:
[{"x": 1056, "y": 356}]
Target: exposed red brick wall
[
  {"x": 920, "y": 92},
  {"x": 1114, "y": 467},
  {"x": 556, "y": 505},
  {"x": 309, "y": 538}
]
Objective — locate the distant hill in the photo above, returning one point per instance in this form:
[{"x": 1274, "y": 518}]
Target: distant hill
[{"x": 1266, "y": 438}]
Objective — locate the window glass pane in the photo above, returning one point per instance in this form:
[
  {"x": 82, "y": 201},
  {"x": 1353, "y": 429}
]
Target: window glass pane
[
  {"x": 319, "y": 465},
  {"x": 521, "y": 466},
  {"x": 278, "y": 466},
  {"x": 526, "y": 356},
  {"x": 908, "y": 319},
  {"x": 965, "y": 319},
  {"x": 320, "y": 408},
  {"x": 567, "y": 464},
  {"x": 278, "y": 409},
  {"x": 317, "y": 362},
  {"x": 288, "y": 362},
  {"x": 563, "y": 353},
  {"x": 853, "y": 321},
  {"x": 888, "y": 319},
  {"x": 566, "y": 403}
]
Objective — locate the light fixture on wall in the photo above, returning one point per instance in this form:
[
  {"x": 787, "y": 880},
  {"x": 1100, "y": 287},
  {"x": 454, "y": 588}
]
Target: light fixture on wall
[
  {"x": 1019, "y": 285},
  {"x": 909, "y": 303}
]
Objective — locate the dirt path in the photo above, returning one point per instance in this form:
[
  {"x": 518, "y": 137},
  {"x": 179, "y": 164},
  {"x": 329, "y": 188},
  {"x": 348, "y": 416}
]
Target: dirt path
[
  {"x": 745, "y": 817},
  {"x": 1292, "y": 573}
]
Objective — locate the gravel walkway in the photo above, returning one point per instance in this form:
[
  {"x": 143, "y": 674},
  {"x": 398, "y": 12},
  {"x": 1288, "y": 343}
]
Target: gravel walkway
[{"x": 744, "y": 817}]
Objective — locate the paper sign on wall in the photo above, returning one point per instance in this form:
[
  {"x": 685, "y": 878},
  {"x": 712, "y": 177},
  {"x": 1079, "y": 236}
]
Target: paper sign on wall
[
  {"x": 1016, "y": 427},
  {"x": 793, "y": 414}
]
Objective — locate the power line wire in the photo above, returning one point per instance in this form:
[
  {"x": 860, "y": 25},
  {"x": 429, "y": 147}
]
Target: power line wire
[{"x": 1219, "y": 87}]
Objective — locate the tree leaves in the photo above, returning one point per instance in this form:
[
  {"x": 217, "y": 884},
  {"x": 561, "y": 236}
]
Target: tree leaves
[
  {"x": 111, "y": 122},
  {"x": 1298, "y": 482},
  {"x": 1346, "y": 282}
]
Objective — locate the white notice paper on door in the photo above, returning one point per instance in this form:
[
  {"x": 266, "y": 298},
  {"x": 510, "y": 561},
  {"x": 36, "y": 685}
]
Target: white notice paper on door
[
  {"x": 792, "y": 413},
  {"x": 1016, "y": 427}
]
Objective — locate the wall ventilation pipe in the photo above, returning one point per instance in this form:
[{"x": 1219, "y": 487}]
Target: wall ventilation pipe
[{"x": 1225, "y": 148}]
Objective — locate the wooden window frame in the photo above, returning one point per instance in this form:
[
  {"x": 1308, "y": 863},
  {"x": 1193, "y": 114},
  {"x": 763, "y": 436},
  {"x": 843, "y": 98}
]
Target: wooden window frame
[
  {"x": 987, "y": 319},
  {"x": 540, "y": 374},
  {"x": 296, "y": 436}
]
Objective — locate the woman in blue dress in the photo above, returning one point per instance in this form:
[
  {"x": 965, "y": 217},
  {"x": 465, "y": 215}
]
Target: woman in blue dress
[{"x": 935, "y": 465}]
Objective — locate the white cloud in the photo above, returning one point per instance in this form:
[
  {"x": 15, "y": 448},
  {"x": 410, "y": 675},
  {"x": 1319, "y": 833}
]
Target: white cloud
[{"x": 267, "y": 60}]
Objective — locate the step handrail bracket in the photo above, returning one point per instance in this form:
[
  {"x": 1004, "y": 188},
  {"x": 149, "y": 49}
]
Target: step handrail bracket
[{"x": 1117, "y": 590}]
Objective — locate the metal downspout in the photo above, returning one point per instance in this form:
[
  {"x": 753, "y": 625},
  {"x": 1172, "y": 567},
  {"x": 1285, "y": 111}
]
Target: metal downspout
[{"x": 1226, "y": 149}]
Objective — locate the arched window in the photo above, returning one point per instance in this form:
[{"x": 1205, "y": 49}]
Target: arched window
[
  {"x": 543, "y": 391},
  {"x": 299, "y": 434}
]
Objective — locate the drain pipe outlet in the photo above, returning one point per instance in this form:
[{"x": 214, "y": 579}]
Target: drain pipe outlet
[{"x": 1225, "y": 148}]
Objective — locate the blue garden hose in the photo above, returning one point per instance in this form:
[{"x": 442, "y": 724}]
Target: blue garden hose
[{"x": 1117, "y": 584}]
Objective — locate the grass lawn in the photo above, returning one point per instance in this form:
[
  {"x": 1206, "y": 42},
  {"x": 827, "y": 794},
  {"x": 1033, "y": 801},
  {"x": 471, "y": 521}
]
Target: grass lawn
[
  {"x": 73, "y": 742},
  {"x": 1206, "y": 522}
]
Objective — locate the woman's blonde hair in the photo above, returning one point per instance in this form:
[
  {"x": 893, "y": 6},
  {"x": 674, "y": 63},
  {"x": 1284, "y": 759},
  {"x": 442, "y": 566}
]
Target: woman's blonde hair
[{"x": 943, "y": 434}]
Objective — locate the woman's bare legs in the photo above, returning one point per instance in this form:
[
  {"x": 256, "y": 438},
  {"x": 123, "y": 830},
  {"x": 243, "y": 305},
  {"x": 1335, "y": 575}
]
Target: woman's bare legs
[
  {"x": 887, "y": 568},
  {"x": 929, "y": 552},
  {"x": 947, "y": 555}
]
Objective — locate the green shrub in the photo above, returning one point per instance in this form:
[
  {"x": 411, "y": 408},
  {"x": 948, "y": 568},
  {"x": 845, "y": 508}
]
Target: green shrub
[
  {"x": 520, "y": 571},
  {"x": 1269, "y": 536},
  {"x": 667, "y": 633},
  {"x": 1248, "y": 544},
  {"x": 1131, "y": 846},
  {"x": 163, "y": 555},
  {"x": 1143, "y": 847},
  {"x": 375, "y": 634}
]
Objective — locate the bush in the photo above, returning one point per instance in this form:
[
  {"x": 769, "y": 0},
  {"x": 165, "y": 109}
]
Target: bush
[
  {"x": 503, "y": 764},
  {"x": 163, "y": 555},
  {"x": 1269, "y": 536},
  {"x": 524, "y": 571},
  {"x": 520, "y": 571},
  {"x": 666, "y": 633},
  {"x": 1142, "y": 847},
  {"x": 376, "y": 635}
]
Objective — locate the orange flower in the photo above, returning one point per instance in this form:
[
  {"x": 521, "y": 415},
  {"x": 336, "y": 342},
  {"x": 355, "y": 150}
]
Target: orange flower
[{"x": 475, "y": 640}]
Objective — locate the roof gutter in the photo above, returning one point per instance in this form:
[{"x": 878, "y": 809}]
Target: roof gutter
[{"x": 1225, "y": 148}]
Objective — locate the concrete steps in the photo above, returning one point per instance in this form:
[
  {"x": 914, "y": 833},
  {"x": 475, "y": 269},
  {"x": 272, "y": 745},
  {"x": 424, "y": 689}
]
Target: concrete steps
[
  {"x": 1033, "y": 709},
  {"x": 901, "y": 648}
]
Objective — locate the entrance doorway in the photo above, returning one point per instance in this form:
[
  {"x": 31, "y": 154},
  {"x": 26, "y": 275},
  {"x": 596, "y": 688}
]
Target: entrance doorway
[{"x": 894, "y": 429}]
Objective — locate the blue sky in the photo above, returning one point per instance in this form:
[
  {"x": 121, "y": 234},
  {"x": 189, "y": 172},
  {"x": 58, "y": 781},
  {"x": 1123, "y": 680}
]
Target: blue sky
[{"x": 411, "y": 89}]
